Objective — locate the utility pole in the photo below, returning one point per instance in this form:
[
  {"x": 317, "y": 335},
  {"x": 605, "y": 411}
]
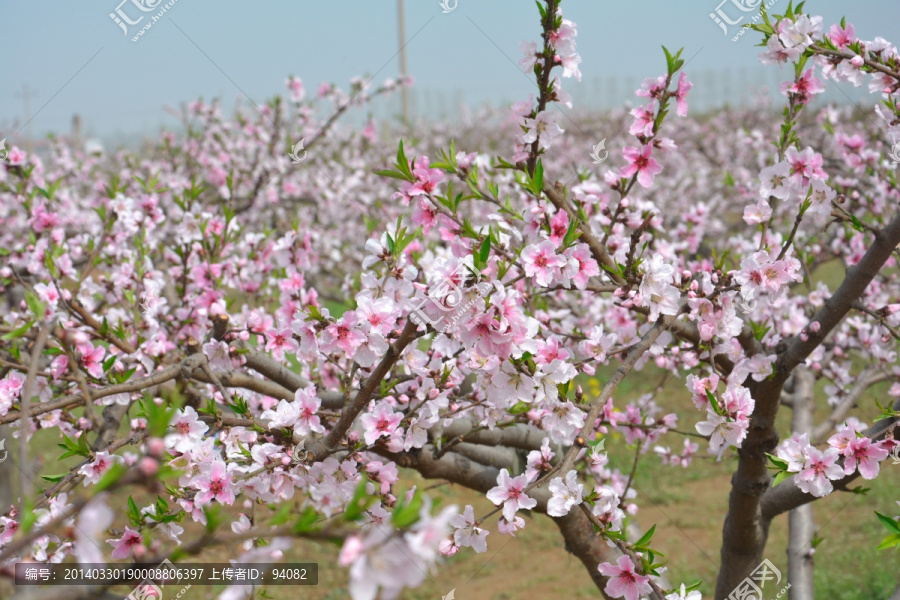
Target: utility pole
[
  {"x": 25, "y": 94},
  {"x": 401, "y": 35},
  {"x": 76, "y": 129}
]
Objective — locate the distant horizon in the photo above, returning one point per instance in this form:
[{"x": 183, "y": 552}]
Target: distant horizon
[{"x": 120, "y": 88}]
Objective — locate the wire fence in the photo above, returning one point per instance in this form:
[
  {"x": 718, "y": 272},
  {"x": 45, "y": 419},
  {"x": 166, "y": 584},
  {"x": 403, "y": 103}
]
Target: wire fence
[{"x": 713, "y": 89}]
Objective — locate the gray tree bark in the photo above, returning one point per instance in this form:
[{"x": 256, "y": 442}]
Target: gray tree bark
[{"x": 801, "y": 527}]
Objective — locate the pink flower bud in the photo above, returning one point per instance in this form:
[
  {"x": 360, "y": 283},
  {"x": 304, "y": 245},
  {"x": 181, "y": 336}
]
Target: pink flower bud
[
  {"x": 149, "y": 466},
  {"x": 156, "y": 447},
  {"x": 285, "y": 460},
  {"x": 815, "y": 326}
]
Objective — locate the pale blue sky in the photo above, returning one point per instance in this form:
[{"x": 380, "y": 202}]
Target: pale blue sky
[{"x": 223, "y": 48}]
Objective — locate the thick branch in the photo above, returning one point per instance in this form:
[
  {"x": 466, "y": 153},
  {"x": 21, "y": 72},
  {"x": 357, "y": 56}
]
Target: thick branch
[
  {"x": 745, "y": 532},
  {"x": 839, "y": 304},
  {"x": 787, "y": 496},
  {"x": 519, "y": 436}
]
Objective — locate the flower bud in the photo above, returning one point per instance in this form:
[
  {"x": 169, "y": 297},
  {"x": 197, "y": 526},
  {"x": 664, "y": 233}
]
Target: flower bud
[{"x": 148, "y": 466}]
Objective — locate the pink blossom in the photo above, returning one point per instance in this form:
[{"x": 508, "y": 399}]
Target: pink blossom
[
  {"x": 723, "y": 432},
  {"x": 542, "y": 262},
  {"x": 380, "y": 422},
  {"x": 343, "y": 335},
  {"x": 564, "y": 494},
  {"x": 215, "y": 484},
  {"x": 805, "y": 164},
  {"x": 509, "y": 493},
  {"x": 684, "y": 86},
  {"x": 295, "y": 85},
  {"x": 644, "y": 118},
  {"x": 777, "y": 54},
  {"x": 92, "y": 359},
  {"x": 280, "y": 340},
  {"x": 542, "y": 128},
  {"x": 126, "y": 544},
  {"x": 840, "y": 36},
  {"x": 467, "y": 532},
  {"x": 188, "y": 430},
  {"x": 624, "y": 580},
  {"x": 642, "y": 164},
  {"x": 862, "y": 454},
  {"x": 818, "y": 472},
  {"x": 804, "y": 88},
  {"x": 95, "y": 470}
]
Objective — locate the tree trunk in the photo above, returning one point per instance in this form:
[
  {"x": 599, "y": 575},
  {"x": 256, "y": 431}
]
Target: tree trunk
[{"x": 800, "y": 520}]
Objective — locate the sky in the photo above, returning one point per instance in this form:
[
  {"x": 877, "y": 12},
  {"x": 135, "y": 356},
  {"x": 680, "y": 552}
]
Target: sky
[{"x": 74, "y": 58}]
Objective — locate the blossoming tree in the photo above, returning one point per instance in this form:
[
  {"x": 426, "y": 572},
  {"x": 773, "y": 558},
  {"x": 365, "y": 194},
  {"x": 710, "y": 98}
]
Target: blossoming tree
[{"x": 168, "y": 317}]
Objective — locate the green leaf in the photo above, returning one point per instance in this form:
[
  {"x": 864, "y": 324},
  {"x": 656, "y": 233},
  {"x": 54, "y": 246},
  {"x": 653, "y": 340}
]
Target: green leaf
[
  {"x": 778, "y": 462},
  {"x": 392, "y": 174},
  {"x": 28, "y": 518},
  {"x": 519, "y": 408},
  {"x": 34, "y": 304},
  {"x": 213, "y": 516},
  {"x": 17, "y": 333},
  {"x": 645, "y": 539},
  {"x": 305, "y": 523},
  {"x": 891, "y": 541},
  {"x": 53, "y": 478},
  {"x": 714, "y": 402},
  {"x": 405, "y": 514},
  {"x": 134, "y": 515},
  {"x": 888, "y": 522},
  {"x": 114, "y": 473},
  {"x": 359, "y": 503},
  {"x": 780, "y": 476}
]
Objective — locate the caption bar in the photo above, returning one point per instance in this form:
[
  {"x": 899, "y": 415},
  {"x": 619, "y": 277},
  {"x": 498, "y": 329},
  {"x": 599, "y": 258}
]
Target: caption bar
[{"x": 168, "y": 573}]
